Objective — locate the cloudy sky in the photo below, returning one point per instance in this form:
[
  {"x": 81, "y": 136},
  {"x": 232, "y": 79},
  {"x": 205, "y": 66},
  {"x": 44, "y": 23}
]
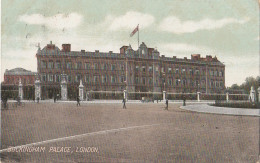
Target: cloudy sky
[{"x": 228, "y": 29}]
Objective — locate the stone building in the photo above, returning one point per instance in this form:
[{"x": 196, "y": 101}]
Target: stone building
[
  {"x": 12, "y": 77},
  {"x": 142, "y": 70},
  {"x": 10, "y": 85}
]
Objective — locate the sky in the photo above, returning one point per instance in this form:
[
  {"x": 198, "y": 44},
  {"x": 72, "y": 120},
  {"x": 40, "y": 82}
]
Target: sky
[{"x": 228, "y": 29}]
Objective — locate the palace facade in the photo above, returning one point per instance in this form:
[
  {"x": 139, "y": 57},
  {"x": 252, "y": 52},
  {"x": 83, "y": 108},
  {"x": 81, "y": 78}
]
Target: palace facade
[{"x": 142, "y": 70}]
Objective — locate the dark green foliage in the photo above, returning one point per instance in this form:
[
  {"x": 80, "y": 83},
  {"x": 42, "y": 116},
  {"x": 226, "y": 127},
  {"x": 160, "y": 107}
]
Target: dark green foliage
[{"x": 237, "y": 104}]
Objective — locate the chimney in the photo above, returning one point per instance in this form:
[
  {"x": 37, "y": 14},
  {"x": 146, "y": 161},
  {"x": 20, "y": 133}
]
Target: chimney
[
  {"x": 110, "y": 52},
  {"x": 66, "y": 47},
  {"x": 51, "y": 42},
  {"x": 82, "y": 51},
  {"x": 195, "y": 56}
]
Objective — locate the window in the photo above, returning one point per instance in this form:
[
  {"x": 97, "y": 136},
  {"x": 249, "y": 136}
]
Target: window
[
  {"x": 184, "y": 82},
  {"x": 191, "y": 71},
  {"x": 143, "y": 52},
  {"x": 95, "y": 79},
  {"x": 203, "y": 82},
  {"x": 162, "y": 69},
  {"x": 87, "y": 66},
  {"x": 78, "y": 65},
  {"x": 192, "y": 83},
  {"x": 122, "y": 79},
  {"x": 143, "y": 68},
  {"x": 143, "y": 81},
  {"x": 177, "y": 70},
  {"x": 113, "y": 67},
  {"x": 122, "y": 67},
  {"x": 113, "y": 79},
  {"x": 221, "y": 84},
  {"x": 216, "y": 73},
  {"x": 212, "y": 83},
  {"x": 156, "y": 69},
  {"x": 183, "y": 71},
  {"x": 104, "y": 66},
  {"x": 57, "y": 65},
  {"x": 169, "y": 81},
  {"x": 150, "y": 69},
  {"x": 150, "y": 81},
  {"x": 50, "y": 64},
  {"x": 220, "y": 73},
  {"x": 43, "y": 77},
  {"x": 177, "y": 82},
  {"x": 57, "y": 78},
  {"x": 68, "y": 65},
  {"x": 136, "y": 68},
  {"x": 197, "y": 72},
  {"x": 69, "y": 78},
  {"x": 50, "y": 78},
  {"x": 87, "y": 78},
  {"x": 78, "y": 77},
  {"x": 95, "y": 66},
  {"x": 211, "y": 72},
  {"x": 197, "y": 83},
  {"x": 136, "y": 80},
  {"x": 43, "y": 64},
  {"x": 104, "y": 79}
]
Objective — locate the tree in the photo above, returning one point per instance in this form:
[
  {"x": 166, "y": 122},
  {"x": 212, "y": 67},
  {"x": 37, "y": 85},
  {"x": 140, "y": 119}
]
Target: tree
[
  {"x": 250, "y": 81},
  {"x": 246, "y": 86}
]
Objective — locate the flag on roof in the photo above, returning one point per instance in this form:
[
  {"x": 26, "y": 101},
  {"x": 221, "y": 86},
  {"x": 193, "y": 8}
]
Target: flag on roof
[{"x": 134, "y": 31}]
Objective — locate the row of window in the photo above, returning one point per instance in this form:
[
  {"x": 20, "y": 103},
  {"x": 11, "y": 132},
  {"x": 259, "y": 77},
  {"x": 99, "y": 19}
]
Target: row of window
[
  {"x": 16, "y": 80},
  {"x": 192, "y": 71},
  {"x": 105, "y": 66},
  {"x": 78, "y": 65},
  {"x": 121, "y": 79},
  {"x": 77, "y": 78}
]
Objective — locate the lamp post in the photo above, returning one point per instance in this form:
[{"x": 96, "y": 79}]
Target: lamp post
[{"x": 179, "y": 80}]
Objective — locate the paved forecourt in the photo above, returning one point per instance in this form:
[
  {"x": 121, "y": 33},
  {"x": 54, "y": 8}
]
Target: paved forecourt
[
  {"x": 205, "y": 108},
  {"x": 144, "y": 132}
]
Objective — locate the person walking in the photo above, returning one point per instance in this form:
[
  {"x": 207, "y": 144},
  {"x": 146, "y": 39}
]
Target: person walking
[
  {"x": 166, "y": 108},
  {"x": 184, "y": 100},
  {"x": 55, "y": 98},
  {"x": 78, "y": 101},
  {"x": 124, "y": 106}
]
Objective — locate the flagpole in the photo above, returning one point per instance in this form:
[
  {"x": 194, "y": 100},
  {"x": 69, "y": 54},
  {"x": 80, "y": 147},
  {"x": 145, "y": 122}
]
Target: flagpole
[{"x": 138, "y": 38}]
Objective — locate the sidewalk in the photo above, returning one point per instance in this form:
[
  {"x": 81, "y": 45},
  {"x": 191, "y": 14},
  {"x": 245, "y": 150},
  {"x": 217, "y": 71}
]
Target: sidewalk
[
  {"x": 119, "y": 101},
  {"x": 204, "y": 108}
]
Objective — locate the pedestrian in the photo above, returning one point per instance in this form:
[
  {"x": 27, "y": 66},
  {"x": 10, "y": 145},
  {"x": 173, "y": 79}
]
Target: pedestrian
[
  {"x": 124, "y": 106},
  {"x": 55, "y": 98},
  {"x": 38, "y": 99},
  {"x": 166, "y": 108},
  {"x": 78, "y": 101},
  {"x": 184, "y": 100},
  {"x": 18, "y": 99}
]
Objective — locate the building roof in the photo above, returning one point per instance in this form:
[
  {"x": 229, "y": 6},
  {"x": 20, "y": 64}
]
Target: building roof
[
  {"x": 19, "y": 71},
  {"x": 53, "y": 50}
]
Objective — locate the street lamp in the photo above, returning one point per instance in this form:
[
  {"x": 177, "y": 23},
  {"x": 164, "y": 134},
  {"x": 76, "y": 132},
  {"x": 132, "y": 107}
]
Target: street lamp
[{"x": 179, "y": 80}]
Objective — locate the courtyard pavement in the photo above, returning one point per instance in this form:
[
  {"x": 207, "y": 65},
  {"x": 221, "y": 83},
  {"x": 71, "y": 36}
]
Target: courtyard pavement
[
  {"x": 144, "y": 132},
  {"x": 204, "y": 108},
  {"x": 119, "y": 101}
]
